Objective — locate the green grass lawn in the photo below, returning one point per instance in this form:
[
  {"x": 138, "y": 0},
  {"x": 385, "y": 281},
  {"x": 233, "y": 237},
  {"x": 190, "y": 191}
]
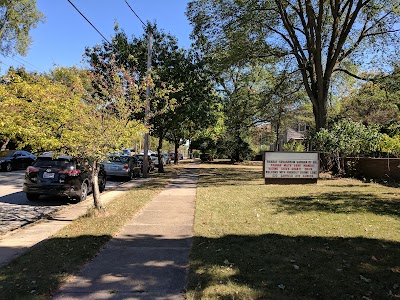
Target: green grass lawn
[{"x": 338, "y": 239}]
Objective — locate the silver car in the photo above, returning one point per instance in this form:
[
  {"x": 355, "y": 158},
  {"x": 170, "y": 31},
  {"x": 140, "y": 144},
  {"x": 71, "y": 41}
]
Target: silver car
[{"x": 122, "y": 166}]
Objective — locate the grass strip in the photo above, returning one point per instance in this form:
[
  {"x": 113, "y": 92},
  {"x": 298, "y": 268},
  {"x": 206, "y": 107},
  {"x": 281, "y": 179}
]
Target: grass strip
[
  {"x": 338, "y": 239},
  {"x": 37, "y": 274}
]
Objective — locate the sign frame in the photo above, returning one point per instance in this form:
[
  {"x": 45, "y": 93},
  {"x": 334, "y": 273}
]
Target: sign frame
[{"x": 291, "y": 167}]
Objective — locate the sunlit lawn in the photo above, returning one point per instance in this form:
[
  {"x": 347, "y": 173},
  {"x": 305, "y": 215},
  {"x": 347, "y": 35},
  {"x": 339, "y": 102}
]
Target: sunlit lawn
[{"x": 338, "y": 239}]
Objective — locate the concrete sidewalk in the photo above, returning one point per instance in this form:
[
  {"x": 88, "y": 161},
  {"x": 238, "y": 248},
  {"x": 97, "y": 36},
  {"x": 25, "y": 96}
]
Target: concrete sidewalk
[{"x": 148, "y": 258}]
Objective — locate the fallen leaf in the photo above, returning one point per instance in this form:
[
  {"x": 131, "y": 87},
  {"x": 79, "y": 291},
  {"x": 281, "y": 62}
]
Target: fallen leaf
[{"x": 365, "y": 279}]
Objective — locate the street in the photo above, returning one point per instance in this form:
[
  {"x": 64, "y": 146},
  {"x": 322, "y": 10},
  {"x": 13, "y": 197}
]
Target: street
[{"x": 17, "y": 211}]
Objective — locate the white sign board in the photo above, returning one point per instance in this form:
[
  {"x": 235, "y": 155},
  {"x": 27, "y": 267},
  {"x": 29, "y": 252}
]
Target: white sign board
[{"x": 302, "y": 165}]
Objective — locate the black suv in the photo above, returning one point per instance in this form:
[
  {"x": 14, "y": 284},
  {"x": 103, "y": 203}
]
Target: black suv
[
  {"x": 15, "y": 159},
  {"x": 60, "y": 176}
]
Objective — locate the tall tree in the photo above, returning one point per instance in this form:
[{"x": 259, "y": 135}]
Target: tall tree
[
  {"x": 319, "y": 37},
  {"x": 371, "y": 104},
  {"x": 17, "y": 18},
  {"x": 182, "y": 94},
  {"x": 93, "y": 119},
  {"x": 132, "y": 55},
  {"x": 197, "y": 103}
]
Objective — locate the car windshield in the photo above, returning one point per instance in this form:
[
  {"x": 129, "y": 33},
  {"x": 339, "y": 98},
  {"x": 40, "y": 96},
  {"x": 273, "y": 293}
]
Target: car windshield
[
  {"x": 49, "y": 162},
  {"x": 6, "y": 153},
  {"x": 123, "y": 159},
  {"x": 126, "y": 152}
]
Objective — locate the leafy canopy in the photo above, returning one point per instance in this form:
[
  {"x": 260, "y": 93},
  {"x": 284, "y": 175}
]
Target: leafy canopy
[{"x": 17, "y": 18}]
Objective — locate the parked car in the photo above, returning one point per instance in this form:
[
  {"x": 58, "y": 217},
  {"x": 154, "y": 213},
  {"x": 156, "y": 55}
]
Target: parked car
[
  {"x": 128, "y": 152},
  {"x": 123, "y": 165},
  {"x": 140, "y": 158},
  {"x": 154, "y": 158},
  {"x": 167, "y": 159},
  {"x": 172, "y": 156},
  {"x": 60, "y": 176},
  {"x": 15, "y": 159}
]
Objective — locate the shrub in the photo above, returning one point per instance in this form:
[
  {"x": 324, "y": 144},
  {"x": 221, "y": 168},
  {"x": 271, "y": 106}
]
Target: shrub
[
  {"x": 293, "y": 146},
  {"x": 346, "y": 138}
]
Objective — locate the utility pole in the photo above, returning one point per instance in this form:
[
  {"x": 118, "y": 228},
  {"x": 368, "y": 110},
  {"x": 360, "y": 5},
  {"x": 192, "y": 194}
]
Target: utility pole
[{"x": 147, "y": 108}]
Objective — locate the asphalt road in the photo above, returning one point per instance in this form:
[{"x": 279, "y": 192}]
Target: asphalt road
[{"x": 17, "y": 211}]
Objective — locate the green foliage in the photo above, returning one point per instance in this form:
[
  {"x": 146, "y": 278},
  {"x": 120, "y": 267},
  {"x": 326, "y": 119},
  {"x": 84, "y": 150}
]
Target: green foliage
[
  {"x": 371, "y": 104},
  {"x": 205, "y": 144},
  {"x": 392, "y": 129},
  {"x": 196, "y": 154},
  {"x": 182, "y": 99},
  {"x": 17, "y": 18},
  {"x": 310, "y": 38},
  {"x": 31, "y": 110},
  {"x": 75, "y": 112},
  {"x": 293, "y": 146},
  {"x": 346, "y": 138},
  {"x": 390, "y": 145},
  {"x": 254, "y": 94}
]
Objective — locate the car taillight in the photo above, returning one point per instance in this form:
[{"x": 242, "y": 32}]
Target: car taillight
[
  {"x": 125, "y": 167},
  {"x": 70, "y": 172},
  {"x": 31, "y": 169}
]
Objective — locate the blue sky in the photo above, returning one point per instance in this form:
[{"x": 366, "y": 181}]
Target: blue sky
[{"x": 62, "y": 38}]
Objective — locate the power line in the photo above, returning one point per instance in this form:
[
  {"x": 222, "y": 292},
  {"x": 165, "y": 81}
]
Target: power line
[
  {"x": 89, "y": 22},
  {"x": 20, "y": 58},
  {"x": 20, "y": 64},
  {"x": 25, "y": 63},
  {"x": 135, "y": 13},
  {"x": 4, "y": 64}
]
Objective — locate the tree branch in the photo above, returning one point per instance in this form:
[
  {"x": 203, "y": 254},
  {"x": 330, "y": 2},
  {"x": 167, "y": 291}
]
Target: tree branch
[{"x": 354, "y": 75}]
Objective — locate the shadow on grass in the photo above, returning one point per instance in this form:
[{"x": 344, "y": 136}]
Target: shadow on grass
[
  {"x": 229, "y": 176},
  {"x": 301, "y": 267},
  {"x": 339, "y": 202},
  {"x": 274, "y": 266},
  {"x": 38, "y": 272}
]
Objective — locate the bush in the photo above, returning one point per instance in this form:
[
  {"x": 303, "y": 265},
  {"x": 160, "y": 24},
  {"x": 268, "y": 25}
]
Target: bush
[
  {"x": 346, "y": 138},
  {"x": 390, "y": 145},
  {"x": 196, "y": 153},
  {"x": 293, "y": 146}
]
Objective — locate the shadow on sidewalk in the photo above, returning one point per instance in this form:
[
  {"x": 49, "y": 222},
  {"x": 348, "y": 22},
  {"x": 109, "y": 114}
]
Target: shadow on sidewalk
[{"x": 133, "y": 265}]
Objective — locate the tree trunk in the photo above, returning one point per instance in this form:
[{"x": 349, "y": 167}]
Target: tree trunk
[
  {"x": 278, "y": 128},
  {"x": 95, "y": 186},
  {"x": 320, "y": 110},
  {"x": 237, "y": 150},
  {"x": 159, "y": 154},
  {"x": 176, "y": 158},
  {"x": 4, "y": 146}
]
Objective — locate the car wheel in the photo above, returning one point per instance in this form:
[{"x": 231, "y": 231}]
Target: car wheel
[
  {"x": 32, "y": 197},
  {"x": 8, "y": 167},
  {"x": 84, "y": 192},
  {"x": 102, "y": 183}
]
